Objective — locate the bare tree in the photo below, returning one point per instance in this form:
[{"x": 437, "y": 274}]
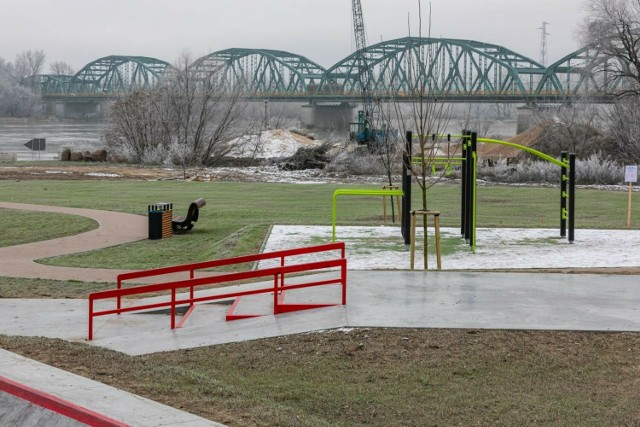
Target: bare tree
[
  {"x": 427, "y": 115},
  {"x": 6, "y": 68},
  {"x": 28, "y": 64},
  {"x": 187, "y": 120},
  {"x": 205, "y": 113},
  {"x": 572, "y": 128},
  {"x": 137, "y": 129},
  {"x": 15, "y": 100},
  {"x": 623, "y": 128},
  {"x": 612, "y": 27},
  {"x": 61, "y": 68}
]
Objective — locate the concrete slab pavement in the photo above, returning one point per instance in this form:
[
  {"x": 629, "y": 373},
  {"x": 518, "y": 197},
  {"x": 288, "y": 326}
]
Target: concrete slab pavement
[{"x": 375, "y": 299}]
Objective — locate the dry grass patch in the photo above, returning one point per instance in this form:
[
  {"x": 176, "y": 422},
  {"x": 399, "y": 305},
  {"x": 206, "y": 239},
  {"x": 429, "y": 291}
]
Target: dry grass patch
[{"x": 380, "y": 377}]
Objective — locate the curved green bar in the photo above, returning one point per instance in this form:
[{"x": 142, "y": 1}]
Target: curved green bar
[
  {"x": 510, "y": 144},
  {"x": 525, "y": 148}
]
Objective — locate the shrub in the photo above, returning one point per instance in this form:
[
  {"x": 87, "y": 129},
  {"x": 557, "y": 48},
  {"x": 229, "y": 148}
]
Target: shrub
[
  {"x": 596, "y": 169},
  {"x": 358, "y": 162}
]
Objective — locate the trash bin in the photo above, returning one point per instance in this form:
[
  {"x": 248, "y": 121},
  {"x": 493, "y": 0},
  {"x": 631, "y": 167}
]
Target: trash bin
[{"x": 160, "y": 216}]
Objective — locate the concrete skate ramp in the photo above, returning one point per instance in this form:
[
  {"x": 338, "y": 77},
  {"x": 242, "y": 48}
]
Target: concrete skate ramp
[
  {"x": 18, "y": 412},
  {"x": 25, "y": 406}
]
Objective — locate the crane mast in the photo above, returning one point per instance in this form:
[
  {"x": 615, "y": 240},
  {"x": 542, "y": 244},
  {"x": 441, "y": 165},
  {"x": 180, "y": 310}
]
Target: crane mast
[{"x": 362, "y": 131}]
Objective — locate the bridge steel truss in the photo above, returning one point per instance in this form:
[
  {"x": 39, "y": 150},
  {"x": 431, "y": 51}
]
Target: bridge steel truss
[
  {"x": 585, "y": 72},
  {"x": 108, "y": 76},
  {"x": 262, "y": 73},
  {"x": 404, "y": 69},
  {"x": 453, "y": 69}
]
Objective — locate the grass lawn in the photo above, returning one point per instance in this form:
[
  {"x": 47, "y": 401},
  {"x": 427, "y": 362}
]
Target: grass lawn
[
  {"x": 20, "y": 226},
  {"x": 237, "y": 216},
  {"x": 363, "y": 377}
]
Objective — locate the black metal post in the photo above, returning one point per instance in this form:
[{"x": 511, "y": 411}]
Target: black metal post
[
  {"x": 472, "y": 189},
  {"x": 467, "y": 192},
  {"x": 563, "y": 194},
  {"x": 572, "y": 196},
  {"x": 463, "y": 194},
  {"x": 406, "y": 189}
]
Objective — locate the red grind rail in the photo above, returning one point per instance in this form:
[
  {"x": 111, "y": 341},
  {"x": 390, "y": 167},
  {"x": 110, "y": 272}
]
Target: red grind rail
[
  {"x": 57, "y": 405},
  {"x": 277, "y": 273}
]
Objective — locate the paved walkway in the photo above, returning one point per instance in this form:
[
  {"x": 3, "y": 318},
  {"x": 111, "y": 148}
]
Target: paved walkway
[{"x": 114, "y": 228}]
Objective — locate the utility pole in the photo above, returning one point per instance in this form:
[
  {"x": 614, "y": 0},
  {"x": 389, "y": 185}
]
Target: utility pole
[{"x": 543, "y": 43}]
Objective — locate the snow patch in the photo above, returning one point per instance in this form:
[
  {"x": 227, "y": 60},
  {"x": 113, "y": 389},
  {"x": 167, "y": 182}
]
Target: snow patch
[
  {"x": 103, "y": 175},
  {"x": 382, "y": 248},
  {"x": 271, "y": 144}
]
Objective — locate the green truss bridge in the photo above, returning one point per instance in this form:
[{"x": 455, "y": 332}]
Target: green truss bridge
[{"x": 456, "y": 71}]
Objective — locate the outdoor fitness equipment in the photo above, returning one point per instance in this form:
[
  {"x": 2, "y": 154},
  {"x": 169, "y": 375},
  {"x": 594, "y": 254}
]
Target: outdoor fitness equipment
[{"x": 469, "y": 185}]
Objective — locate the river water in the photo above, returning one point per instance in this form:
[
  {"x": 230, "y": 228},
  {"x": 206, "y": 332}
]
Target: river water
[
  {"x": 77, "y": 136},
  {"x": 83, "y": 136}
]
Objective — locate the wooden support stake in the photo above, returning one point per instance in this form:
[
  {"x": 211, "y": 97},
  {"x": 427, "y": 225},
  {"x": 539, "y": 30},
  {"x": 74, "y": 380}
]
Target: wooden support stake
[
  {"x": 629, "y": 208},
  {"x": 436, "y": 223}
]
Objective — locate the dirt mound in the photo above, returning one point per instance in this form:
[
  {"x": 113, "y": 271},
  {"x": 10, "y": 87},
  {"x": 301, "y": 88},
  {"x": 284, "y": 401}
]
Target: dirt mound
[{"x": 527, "y": 138}]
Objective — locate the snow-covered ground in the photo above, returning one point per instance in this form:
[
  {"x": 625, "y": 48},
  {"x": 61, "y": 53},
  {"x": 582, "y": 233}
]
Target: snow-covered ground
[
  {"x": 270, "y": 144},
  {"x": 383, "y": 247}
]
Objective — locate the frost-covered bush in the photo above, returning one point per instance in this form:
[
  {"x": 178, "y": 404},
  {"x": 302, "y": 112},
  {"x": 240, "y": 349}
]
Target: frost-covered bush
[
  {"x": 594, "y": 170},
  {"x": 356, "y": 163},
  {"x": 537, "y": 171}
]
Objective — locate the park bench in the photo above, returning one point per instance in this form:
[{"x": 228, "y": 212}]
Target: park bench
[{"x": 184, "y": 223}]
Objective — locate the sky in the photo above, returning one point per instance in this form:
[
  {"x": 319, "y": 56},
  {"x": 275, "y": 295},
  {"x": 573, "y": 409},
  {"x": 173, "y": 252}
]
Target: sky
[{"x": 80, "y": 31}]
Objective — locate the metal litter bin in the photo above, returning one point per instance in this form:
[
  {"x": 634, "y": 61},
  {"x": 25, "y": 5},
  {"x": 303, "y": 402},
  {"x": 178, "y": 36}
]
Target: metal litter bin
[{"x": 160, "y": 216}]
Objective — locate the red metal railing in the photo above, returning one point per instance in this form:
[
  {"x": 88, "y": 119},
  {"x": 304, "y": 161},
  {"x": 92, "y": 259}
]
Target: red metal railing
[
  {"x": 55, "y": 404},
  {"x": 278, "y": 288}
]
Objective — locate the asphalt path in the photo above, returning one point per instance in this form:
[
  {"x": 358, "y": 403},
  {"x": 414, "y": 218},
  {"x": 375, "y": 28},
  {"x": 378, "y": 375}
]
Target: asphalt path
[{"x": 114, "y": 228}]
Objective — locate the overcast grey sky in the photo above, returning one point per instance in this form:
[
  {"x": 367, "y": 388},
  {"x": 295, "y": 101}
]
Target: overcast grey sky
[{"x": 79, "y": 31}]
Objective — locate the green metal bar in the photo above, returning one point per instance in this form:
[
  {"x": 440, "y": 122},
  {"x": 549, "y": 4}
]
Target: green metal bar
[
  {"x": 508, "y": 144},
  {"x": 523, "y": 148},
  {"x": 474, "y": 166},
  {"x": 355, "y": 192}
]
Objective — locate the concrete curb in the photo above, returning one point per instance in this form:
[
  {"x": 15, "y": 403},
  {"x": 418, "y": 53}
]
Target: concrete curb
[{"x": 57, "y": 395}]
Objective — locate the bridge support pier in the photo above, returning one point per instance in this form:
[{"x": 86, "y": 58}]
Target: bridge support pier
[
  {"x": 327, "y": 116},
  {"x": 75, "y": 109},
  {"x": 525, "y": 118}
]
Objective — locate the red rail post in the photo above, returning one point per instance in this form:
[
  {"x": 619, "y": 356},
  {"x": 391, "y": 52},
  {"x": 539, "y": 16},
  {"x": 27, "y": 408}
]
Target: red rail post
[
  {"x": 275, "y": 294},
  {"x": 118, "y": 304},
  {"x": 90, "y": 318},
  {"x": 192, "y": 275},
  {"x": 173, "y": 308},
  {"x": 343, "y": 276}
]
